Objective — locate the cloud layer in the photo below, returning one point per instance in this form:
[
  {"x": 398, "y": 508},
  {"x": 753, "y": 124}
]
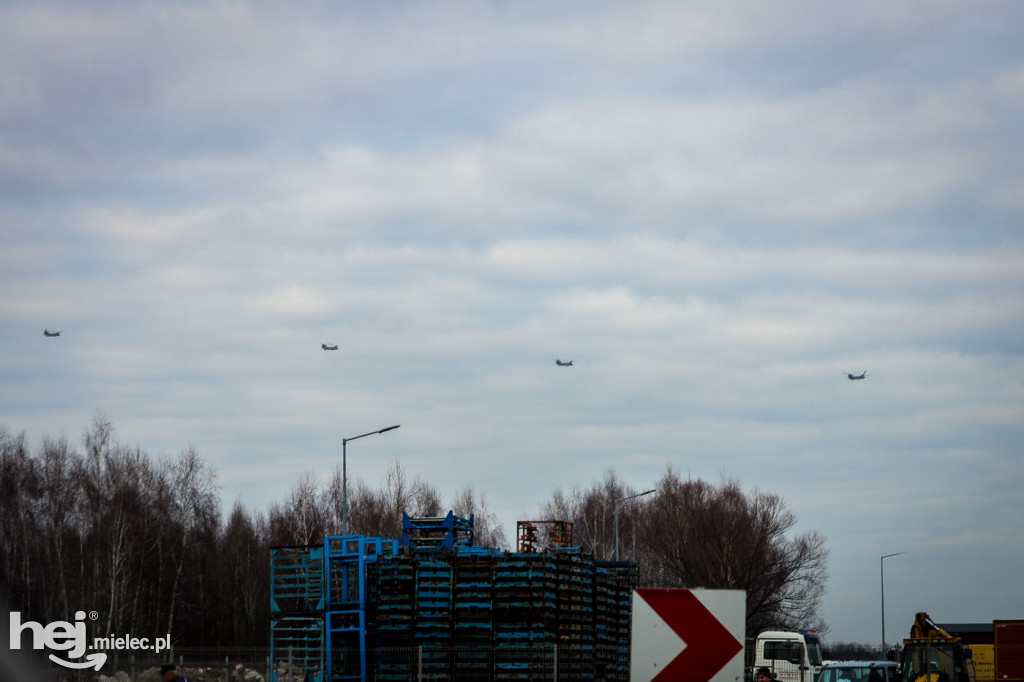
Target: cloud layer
[{"x": 715, "y": 210}]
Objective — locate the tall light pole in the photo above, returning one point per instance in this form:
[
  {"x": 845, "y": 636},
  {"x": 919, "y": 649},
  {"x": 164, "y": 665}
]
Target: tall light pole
[
  {"x": 344, "y": 473},
  {"x": 616, "y": 508},
  {"x": 881, "y": 563}
]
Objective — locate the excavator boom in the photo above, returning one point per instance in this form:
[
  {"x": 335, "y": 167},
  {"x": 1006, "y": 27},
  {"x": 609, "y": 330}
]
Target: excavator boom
[{"x": 925, "y": 628}]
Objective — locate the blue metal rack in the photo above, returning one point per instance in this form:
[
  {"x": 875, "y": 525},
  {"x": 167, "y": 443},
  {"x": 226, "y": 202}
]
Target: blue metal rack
[
  {"x": 448, "y": 532},
  {"x": 296, "y": 604},
  {"x": 359, "y": 608},
  {"x": 347, "y": 557},
  {"x": 297, "y": 648},
  {"x": 296, "y": 579}
]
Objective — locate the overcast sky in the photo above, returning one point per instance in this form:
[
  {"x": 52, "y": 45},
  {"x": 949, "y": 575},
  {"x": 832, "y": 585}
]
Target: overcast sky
[{"x": 716, "y": 209}]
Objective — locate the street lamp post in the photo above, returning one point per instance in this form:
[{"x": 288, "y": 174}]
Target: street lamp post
[
  {"x": 616, "y": 508},
  {"x": 344, "y": 473},
  {"x": 881, "y": 563}
]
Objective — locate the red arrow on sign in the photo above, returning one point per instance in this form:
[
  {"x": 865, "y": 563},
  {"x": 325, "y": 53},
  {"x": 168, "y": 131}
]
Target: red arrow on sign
[{"x": 709, "y": 645}]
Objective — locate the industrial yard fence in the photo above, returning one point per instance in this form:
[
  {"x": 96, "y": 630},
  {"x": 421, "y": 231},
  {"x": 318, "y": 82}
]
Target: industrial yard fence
[{"x": 548, "y": 663}]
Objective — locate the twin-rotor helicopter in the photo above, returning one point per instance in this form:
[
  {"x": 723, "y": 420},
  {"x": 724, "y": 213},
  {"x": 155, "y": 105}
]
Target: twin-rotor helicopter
[{"x": 558, "y": 361}]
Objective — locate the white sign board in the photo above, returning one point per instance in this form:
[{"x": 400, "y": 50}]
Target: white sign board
[{"x": 687, "y": 635}]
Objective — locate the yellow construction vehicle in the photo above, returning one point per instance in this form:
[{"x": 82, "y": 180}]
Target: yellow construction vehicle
[{"x": 931, "y": 654}]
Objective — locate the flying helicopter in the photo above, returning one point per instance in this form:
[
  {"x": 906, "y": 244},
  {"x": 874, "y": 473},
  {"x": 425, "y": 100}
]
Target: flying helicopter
[
  {"x": 47, "y": 332},
  {"x": 329, "y": 347},
  {"x": 857, "y": 377},
  {"x": 566, "y": 363}
]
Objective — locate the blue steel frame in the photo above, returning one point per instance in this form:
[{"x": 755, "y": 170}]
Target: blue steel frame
[
  {"x": 449, "y": 532},
  {"x": 346, "y": 557},
  {"x": 296, "y": 604}
]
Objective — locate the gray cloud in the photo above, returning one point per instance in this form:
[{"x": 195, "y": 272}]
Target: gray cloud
[{"x": 716, "y": 211}]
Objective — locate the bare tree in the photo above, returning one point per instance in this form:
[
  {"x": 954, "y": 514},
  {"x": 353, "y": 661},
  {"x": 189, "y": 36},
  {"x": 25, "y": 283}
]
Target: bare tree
[
  {"x": 192, "y": 506},
  {"x": 119, "y": 536},
  {"x": 379, "y": 513},
  {"x": 368, "y": 513},
  {"x": 302, "y": 519},
  {"x": 59, "y": 503},
  {"x": 487, "y": 531},
  {"x": 702, "y": 535},
  {"x": 415, "y": 497},
  {"x": 592, "y": 513},
  {"x": 243, "y": 578},
  {"x": 107, "y": 530},
  {"x": 19, "y": 485},
  {"x": 334, "y": 498},
  {"x": 98, "y": 440}
]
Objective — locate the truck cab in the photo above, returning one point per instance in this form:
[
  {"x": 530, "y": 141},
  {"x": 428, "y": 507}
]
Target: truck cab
[{"x": 791, "y": 656}]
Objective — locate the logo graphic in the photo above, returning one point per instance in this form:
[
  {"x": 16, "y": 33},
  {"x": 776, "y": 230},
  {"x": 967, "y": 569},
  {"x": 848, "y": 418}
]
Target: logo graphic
[{"x": 59, "y": 636}]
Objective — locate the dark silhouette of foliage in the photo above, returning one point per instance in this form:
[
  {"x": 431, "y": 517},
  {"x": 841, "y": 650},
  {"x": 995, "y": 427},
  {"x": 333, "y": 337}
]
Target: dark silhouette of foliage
[
  {"x": 144, "y": 543},
  {"x": 691, "y": 533},
  {"x": 719, "y": 537},
  {"x": 141, "y": 542},
  {"x": 851, "y": 651}
]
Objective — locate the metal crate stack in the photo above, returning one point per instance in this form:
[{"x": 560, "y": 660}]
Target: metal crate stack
[
  {"x": 481, "y": 614},
  {"x": 358, "y": 608},
  {"x": 613, "y": 590},
  {"x": 297, "y": 613},
  {"x": 432, "y": 625},
  {"x": 575, "y": 608},
  {"x": 524, "y": 615},
  {"x": 473, "y": 610},
  {"x": 437, "y": 532},
  {"x": 348, "y": 559},
  {"x": 392, "y": 581}
]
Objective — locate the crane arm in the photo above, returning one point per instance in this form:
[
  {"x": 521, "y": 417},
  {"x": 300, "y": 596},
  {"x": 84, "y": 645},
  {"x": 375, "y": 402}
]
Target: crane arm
[{"x": 924, "y": 627}]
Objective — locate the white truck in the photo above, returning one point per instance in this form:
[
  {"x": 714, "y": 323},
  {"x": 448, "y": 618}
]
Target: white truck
[{"x": 790, "y": 656}]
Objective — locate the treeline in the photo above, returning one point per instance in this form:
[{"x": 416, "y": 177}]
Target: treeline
[
  {"x": 143, "y": 542},
  {"x": 852, "y": 651},
  {"x": 140, "y": 542},
  {"x": 691, "y": 533}
]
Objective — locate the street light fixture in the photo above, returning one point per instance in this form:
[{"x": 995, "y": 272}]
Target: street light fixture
[
  {"x": 881, "y": 563},
  {"x": 344, "y": 474},
  {"x": 616, "y": 508}
]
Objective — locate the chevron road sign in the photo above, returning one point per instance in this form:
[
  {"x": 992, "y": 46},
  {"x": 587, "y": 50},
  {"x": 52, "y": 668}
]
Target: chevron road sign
[{"x": 688, "y": 635}]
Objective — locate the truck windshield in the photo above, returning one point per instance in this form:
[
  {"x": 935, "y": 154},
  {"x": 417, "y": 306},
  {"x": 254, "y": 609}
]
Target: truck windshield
[{"x": 813, "y": 649}]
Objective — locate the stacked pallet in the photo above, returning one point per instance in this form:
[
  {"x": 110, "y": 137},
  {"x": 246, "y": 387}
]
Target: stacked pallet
[
  {"x": 297, "y": 612},
  {"x": 392, "y": 580},
  {"x": 437, "y": 532},
  {"x": 524, "y": 614},
  {"x": 488, "y": 615},
  {"x": 575, "y": 626},
  {"x": 473, "y": 610},
  {"x": 613, "y": 587},
  {"x": 524, "y": 599},
  {"x": 473, "y": 598},
  {"x": 359, "y": 608},
  {"x": 432, "y": 625},
  {"x": 349, "y": 559}
]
